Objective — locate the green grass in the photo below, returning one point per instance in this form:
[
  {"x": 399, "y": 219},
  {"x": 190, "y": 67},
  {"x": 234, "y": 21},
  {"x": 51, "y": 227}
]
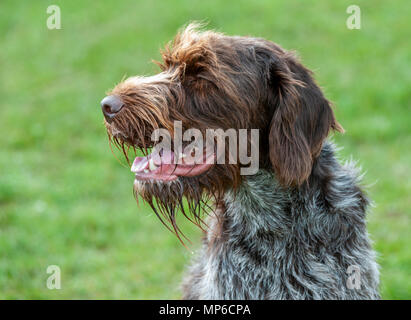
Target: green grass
[{"x": 65, "y": 200}]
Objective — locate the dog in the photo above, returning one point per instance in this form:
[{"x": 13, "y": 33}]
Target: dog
[{"x": 295, "y": 229}]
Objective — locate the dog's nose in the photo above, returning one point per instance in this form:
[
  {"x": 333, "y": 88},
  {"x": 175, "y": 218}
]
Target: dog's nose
[{"x": 111, "y": 105}]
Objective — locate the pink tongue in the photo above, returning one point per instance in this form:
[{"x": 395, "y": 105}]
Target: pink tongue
[
  {"x": 163, "y": 167},
  {"x": 166, "y": 157},
  {"x": 139, "y": 164},
  {"x": 142, "y": 163}
]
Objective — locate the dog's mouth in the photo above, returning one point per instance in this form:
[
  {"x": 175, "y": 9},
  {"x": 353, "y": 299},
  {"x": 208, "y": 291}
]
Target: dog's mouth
[
  {"x": 167, "y": 165},
  {"x": 162, "y": 165}
]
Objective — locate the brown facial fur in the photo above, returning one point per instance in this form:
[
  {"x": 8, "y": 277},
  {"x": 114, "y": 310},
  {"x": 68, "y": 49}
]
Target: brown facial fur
[{"x": 210, "y": 80}]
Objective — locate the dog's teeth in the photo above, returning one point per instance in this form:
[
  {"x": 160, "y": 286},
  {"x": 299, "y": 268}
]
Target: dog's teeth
[
  {"x": 146, "y": 171},
  {"x": 151, "y": 165}
]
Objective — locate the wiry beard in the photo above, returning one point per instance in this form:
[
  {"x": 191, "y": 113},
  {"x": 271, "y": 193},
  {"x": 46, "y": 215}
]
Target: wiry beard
[
  {"x": 129, "y": 131},
  {"x": 195, "y": 197},
  {"x": 166, "y": 200}
]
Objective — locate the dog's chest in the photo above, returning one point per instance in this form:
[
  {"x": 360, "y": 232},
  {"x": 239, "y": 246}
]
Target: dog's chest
[
  {"x": 246, "y": 242},
  {"x": 271, "y": 243}
]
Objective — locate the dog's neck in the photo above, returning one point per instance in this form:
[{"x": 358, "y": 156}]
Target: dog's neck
[
  {"x": 258, "y": 204},
  {"x": 261, "y": 204},
  {"x": 271, "y": 242}
]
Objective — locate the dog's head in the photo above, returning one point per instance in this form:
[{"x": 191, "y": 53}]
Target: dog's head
[{"x": 212, "y": 81}]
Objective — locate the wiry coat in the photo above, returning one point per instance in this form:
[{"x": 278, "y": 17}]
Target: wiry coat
[
  {"x": 267, "y": 242},
  {"x": 288, "y": 232}
]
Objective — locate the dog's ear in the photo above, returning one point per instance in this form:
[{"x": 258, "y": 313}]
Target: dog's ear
[{"x": 302, "y": 119}]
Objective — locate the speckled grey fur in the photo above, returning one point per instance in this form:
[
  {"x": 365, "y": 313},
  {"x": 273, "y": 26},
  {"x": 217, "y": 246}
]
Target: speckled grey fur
[{"x": 275, "y": 243}]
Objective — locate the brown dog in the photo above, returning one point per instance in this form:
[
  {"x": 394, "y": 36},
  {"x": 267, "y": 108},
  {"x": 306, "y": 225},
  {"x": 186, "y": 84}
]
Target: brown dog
[{"x": 289, "y": 231}]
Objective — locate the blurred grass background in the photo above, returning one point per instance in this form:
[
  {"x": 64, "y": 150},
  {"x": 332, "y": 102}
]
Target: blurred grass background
[{"x": 65, "y": 200}]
